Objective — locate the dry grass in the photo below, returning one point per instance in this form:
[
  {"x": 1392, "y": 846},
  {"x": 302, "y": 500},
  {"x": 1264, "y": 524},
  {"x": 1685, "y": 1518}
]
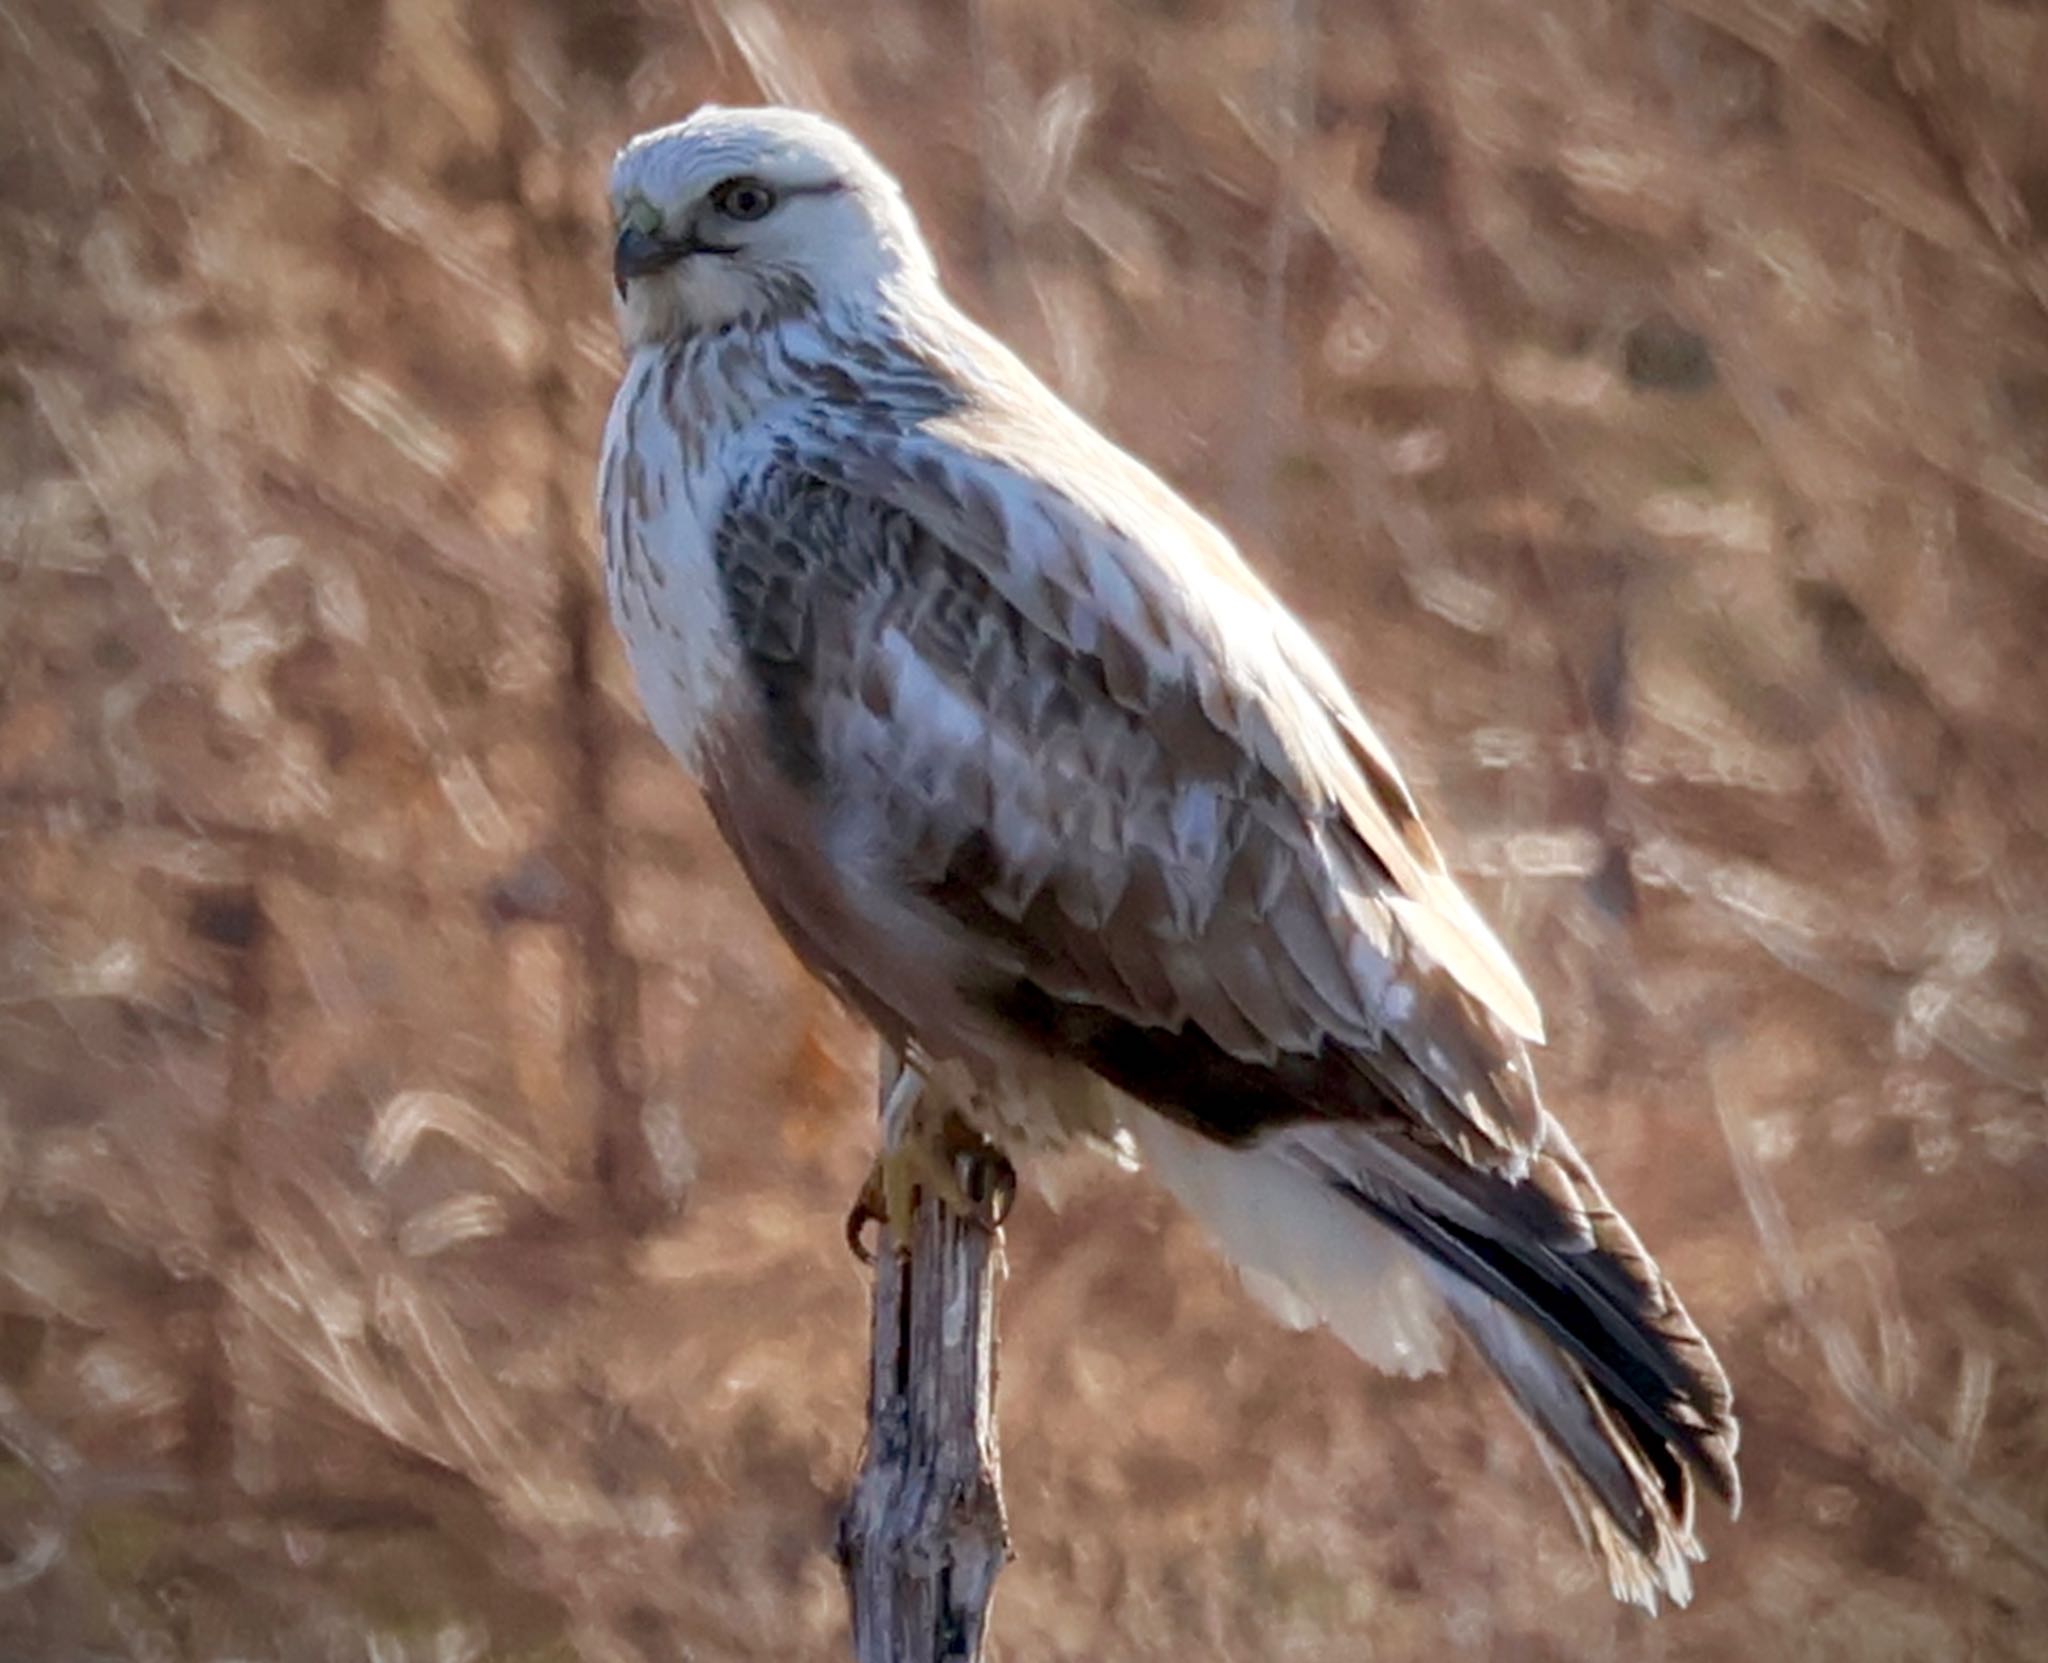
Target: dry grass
[{"x": 420, "y": 1169}]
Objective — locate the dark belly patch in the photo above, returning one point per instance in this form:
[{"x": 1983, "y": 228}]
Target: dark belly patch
[{"x": 1183, "y": 1073}]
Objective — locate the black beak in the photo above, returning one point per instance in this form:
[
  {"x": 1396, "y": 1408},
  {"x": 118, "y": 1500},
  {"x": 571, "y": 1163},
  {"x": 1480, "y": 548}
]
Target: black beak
[{"x": 637, "y": 254}]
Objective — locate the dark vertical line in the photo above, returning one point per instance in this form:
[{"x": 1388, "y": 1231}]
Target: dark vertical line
[
  {"x": 608, "y": 1015},
  {"x": 230, "y": 920},
  {"x": 898, "y": 1265}
]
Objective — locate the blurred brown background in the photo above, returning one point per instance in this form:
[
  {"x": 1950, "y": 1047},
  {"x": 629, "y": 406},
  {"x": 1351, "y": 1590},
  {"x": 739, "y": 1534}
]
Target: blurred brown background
[{"x": 421, "y": 1170}]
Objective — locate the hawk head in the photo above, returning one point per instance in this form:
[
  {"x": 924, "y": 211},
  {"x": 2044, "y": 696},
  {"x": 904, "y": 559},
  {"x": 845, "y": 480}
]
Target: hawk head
[{"x": 749, "y": 217}]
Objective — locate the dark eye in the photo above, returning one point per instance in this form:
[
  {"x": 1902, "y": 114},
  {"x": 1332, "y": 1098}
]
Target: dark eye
[{"x": 743, "y": 199}]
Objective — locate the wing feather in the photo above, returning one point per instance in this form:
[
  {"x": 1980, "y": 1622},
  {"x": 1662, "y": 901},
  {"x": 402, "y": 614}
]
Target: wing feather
[{"x": 1164, "y": 764}]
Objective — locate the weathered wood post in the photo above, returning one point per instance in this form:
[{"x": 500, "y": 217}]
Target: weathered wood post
[{"x": 923, "y": 1537}]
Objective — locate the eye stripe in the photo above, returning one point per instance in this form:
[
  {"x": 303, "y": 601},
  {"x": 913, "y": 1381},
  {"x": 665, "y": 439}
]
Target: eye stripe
[{"x": 639, "y": 214}]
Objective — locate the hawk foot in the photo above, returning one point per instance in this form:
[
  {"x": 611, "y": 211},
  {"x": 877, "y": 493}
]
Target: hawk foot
[{"x": 968, "y": 1174}]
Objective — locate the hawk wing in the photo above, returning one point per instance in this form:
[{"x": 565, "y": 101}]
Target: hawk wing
[
  {"x": 1122, "y": 765},
  {"x": 1038, "y": 729}
]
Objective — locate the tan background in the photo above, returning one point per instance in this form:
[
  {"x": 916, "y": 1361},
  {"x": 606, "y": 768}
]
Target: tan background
[{"x": 421, "y": 1170}]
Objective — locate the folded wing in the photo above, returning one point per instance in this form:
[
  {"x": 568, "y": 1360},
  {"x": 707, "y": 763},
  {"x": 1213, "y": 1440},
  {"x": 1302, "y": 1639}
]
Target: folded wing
[{"x": 1042, "y": 721}]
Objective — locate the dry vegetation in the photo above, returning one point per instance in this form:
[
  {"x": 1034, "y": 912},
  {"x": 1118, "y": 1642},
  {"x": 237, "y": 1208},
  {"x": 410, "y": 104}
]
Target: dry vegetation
[{"x": 420, "y": 1168}]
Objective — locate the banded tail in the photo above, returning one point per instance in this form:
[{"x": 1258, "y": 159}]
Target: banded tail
[{"x": 1375, "y": 1232}]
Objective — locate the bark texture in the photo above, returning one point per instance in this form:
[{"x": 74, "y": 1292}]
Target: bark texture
[{"x": 923, "y": 1537}]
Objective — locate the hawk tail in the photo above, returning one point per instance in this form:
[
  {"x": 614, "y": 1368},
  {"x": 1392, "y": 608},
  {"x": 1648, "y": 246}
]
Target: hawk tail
[
  {"x": 1624, "y": 1477},
  {"x": 1374, "y": 1233},
  {"x": 1630, "y": 1406}
]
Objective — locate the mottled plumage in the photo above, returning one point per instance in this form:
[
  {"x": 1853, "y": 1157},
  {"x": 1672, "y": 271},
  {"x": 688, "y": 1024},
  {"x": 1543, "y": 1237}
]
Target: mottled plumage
[{"x": 1030, "y": 767}]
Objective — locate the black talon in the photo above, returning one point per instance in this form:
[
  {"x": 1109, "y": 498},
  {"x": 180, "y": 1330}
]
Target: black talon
[
  {"x": 1002, "y": 1196},
  {"x": 991, "y": 1184},
  {"x": 858, "y": 1217},
  {"x": 988, "y": 1180}
]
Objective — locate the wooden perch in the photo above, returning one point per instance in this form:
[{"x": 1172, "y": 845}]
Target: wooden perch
[{"x": 923, "y": 1537}]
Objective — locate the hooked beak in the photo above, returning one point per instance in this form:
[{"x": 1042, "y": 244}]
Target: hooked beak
[
  {"x": 642, "y": 254},
  {"x": 639, "y": 254}
]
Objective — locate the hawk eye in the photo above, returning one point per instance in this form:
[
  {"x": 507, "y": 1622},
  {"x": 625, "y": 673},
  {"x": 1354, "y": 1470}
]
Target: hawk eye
[{"x": 742, "y": 199}]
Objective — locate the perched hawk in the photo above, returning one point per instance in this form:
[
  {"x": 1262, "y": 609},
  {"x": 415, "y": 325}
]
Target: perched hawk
[{"x": 1030, "y": 767}]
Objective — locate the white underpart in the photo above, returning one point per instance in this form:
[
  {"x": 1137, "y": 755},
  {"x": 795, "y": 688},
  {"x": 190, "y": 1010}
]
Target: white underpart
[
  {"x": 677, "y": 640},
  {"x": 1304, "y": 1252}
]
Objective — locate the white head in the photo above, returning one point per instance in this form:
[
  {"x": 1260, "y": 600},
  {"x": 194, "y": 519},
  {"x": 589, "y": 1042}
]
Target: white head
[{"x": 750, "y": 216}]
